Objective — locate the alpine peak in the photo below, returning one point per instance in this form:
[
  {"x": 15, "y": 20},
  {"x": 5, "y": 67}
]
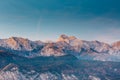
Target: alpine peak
[{"x": 66, "y": 38}]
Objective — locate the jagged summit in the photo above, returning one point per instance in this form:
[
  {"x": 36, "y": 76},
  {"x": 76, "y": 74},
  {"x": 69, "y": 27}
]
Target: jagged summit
[
  {"x": 63, "y": 36},
  {"x": 19, "y": 43},
  {"x": 66, "y": 38}
]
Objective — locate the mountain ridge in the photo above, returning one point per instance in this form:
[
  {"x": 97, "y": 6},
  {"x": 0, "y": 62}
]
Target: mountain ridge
[{"x": 64, "y": 45}]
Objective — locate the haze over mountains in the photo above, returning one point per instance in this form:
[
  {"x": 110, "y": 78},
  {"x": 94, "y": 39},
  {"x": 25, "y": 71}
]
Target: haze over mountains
[{"x": 90, "y": 50}]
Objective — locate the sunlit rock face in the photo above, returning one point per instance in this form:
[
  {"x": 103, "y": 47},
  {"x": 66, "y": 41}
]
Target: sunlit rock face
[
  {"x": 116, "y": 45},
  {"x": 71, "y": 40},
  {"x": 66, "y": 38},
  {"x": 17, "y": 43},
  {"x": 51, "y": 49}
]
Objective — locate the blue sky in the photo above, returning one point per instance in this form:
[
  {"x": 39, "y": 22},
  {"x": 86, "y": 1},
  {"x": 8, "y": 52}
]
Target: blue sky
[{"x": 47, "y": 19}]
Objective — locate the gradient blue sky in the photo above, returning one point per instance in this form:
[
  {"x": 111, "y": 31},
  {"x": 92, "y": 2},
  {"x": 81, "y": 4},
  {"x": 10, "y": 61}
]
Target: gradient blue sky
[{"x": 47, "y": 19}]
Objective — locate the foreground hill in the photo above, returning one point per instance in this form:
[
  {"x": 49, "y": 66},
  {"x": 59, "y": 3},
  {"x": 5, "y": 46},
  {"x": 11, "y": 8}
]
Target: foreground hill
[{"x": 67, "y": 67}]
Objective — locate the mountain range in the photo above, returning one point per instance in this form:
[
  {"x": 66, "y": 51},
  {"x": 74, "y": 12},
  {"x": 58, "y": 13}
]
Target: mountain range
[
  {"x": 68, "y": 58},
  {"x": 81, "y": 49}
]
